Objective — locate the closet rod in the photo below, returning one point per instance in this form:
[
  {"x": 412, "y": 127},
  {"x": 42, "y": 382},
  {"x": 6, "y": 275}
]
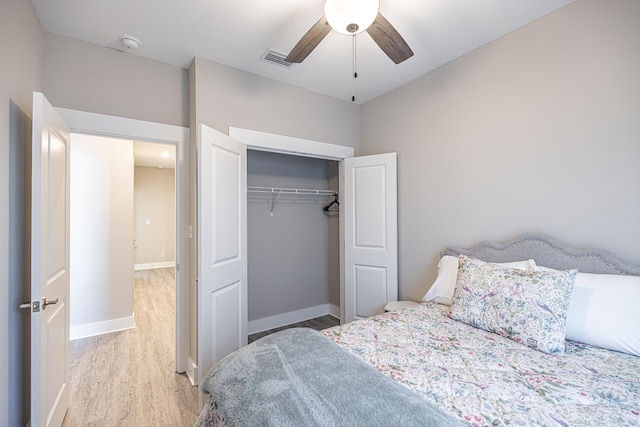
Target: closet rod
[{"x": 301, "y": 191}]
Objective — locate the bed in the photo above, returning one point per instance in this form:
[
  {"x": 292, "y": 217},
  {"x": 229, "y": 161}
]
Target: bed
[{"x": 528, "y": 332}]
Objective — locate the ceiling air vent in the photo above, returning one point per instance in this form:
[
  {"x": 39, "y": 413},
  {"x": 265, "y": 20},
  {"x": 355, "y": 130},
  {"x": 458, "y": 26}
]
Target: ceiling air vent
[{"x": 275, "y": 57}]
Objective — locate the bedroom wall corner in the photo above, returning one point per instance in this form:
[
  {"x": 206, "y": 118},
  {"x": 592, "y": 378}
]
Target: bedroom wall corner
[
  {"x": 22, "y": 73},
  {"x": 534, "y": 132}
]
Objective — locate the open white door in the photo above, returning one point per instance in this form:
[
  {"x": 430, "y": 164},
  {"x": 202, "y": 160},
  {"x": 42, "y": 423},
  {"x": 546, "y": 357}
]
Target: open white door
[
  {"x": 370, "y": 235},
  {"x": 49, "y": 266},
  {"x": 222, "y": 249}
]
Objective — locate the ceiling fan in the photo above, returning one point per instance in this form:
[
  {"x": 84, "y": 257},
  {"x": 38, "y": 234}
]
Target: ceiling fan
[{"x": 353, "y": 17}]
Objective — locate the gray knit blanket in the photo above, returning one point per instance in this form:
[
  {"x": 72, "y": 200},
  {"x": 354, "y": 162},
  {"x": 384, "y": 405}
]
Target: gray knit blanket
[{"x": 298, "y": 377}]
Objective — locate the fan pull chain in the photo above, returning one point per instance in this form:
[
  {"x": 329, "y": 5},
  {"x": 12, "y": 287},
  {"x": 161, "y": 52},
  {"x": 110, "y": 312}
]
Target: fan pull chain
[{"x": 355, "y": 73}]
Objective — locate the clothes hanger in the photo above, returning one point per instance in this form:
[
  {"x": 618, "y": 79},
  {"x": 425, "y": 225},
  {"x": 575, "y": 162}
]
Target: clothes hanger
[{"x": 333, "y": 202}]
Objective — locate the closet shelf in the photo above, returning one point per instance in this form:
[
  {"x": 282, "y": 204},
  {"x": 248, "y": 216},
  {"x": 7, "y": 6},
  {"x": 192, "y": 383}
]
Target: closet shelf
[
  {"x": 300, "y": 191},
  {"x": 277, "y": 192}
]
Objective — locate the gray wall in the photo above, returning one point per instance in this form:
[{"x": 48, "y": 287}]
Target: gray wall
[
  {"x": 535, "y": 132},
  {"x": 87, "y": 77},
  {"x": 154, "y": 200},
  {"x": 21, "y": 50},
  {"x": 290, "y": 253},
  {"x": 226, "y": 96}
]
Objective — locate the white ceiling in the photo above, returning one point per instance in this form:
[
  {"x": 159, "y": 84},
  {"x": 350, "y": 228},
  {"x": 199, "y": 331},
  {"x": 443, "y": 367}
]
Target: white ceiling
[
  {"x": 154, "y": 155},
  {"x": 237, "y": 32}
]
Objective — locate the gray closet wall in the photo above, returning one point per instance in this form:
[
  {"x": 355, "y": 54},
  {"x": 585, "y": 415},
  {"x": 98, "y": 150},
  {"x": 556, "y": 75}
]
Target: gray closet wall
[{"x": 293, "y": 255}]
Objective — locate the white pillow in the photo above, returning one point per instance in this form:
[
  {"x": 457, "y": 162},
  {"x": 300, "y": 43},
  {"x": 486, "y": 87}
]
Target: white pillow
[
  {"x": 604, "y": 310},
  {"x": 442, "y": 289}
]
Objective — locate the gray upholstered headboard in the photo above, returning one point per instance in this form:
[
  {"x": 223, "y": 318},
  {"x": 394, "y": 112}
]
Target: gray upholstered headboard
[{"x": 548, "y": 252}]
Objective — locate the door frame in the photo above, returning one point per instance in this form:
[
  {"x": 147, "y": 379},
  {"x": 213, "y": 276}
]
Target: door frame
[
  {"x": 262, "y": 141},
  {"x": 120, "y": 127}
]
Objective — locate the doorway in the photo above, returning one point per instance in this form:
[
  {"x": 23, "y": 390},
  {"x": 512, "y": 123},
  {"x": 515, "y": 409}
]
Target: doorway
[
  {"x": 123, "y": 213},
  {"x": 177, "y": 137},
  {"x": 123, "y": 238},
  {"x": 293, "y": 258}
]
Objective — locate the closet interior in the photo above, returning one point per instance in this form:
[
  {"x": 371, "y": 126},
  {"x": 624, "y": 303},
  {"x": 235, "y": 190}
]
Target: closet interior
[{"x": 293, "y": 239}]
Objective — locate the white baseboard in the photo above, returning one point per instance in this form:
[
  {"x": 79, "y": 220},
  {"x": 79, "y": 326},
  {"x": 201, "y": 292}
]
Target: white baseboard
[
  {"x": 99, "y": 328},
  {"x": 334, "y": 310},
  {"x": 192, "y": 371},
  {"x": 152, "y": 265},
  {"x": 284, "y": 319}
]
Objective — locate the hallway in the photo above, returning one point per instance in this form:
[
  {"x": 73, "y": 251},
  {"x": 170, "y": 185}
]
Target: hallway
[{"x": 127, "y": 378}]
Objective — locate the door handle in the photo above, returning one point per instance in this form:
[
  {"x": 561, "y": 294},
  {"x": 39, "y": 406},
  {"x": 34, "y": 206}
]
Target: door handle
[
  {"x": 35, "y": 306},
  {"x": 46, "y": 302}
]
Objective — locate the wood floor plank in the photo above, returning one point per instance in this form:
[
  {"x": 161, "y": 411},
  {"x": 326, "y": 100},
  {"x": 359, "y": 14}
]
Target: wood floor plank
[
  {"x": 319, "y": 323},
  {"x": 127, "y": 378}
]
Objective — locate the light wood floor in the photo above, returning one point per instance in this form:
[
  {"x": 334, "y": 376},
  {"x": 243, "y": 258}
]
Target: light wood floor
[
  {"x": 318, "y": 324},
  {"x": 127, "y": 378}
]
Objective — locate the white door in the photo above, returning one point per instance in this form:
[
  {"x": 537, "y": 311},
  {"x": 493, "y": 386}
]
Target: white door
[
  {"x": 371, "y": 235},
  {"x": 49, "y": 266},
  {"x": 222, "y": 249}
]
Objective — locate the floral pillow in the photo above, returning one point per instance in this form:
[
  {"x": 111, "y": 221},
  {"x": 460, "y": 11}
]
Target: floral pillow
[
  {"x": 442, "y": 289},
  {"x": 529, "y": 307}
]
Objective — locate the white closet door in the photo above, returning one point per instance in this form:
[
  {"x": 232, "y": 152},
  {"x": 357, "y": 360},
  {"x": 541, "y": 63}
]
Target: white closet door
[
  {"x": 222, "y": 248},
  {"x": 371, "y": 235}
]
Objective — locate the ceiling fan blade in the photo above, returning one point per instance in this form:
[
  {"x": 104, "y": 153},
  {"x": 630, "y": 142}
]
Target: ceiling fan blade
[
  {"x": 309, "y": 41},
  {"x": 389, "y": 40}
]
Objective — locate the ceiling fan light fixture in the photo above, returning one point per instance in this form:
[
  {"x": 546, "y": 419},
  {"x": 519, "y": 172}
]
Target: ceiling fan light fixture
[{"x": 351, "y": 16}]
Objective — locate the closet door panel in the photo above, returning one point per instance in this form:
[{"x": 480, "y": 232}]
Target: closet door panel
[
  {"x": 222, "y": 251},
  {"x": 370, "y": 235},
  {"x": 370, "y": 290},
  {"x": 225, "y": 319},
  {"x": 369, "y": 221},
  {"x": 226, "y": 215}
]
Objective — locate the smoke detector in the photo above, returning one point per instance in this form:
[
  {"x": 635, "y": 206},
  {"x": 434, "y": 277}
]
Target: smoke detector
[{"x": 130, "y": 42}]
